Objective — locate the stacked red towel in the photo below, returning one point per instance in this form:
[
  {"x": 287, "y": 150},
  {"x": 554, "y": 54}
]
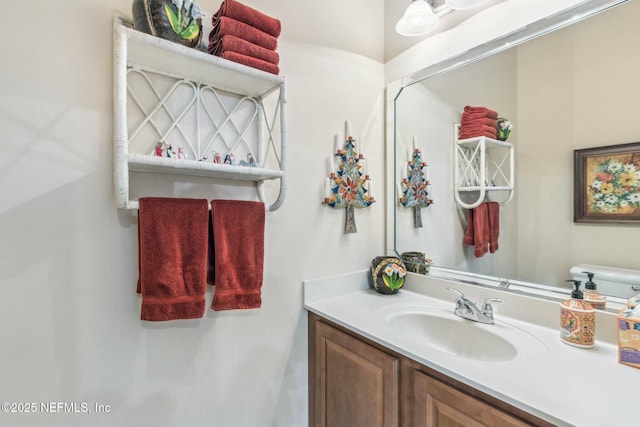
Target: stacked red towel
[
  {"x": 478, "y": 121},
  {"x": 244, "y": 35}
]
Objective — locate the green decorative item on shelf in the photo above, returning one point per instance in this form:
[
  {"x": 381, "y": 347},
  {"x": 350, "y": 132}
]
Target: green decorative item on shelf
[
  {"x": 504, "y": 128},
  {"x": 386, "y": 274},
  {"x": 179, "y": 21}
]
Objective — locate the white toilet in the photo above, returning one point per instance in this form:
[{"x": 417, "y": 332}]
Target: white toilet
[{"x": 617, "y": 282}]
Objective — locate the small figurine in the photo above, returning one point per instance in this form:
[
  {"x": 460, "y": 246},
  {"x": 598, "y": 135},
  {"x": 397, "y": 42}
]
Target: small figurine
[
  {"x": 169, "y": 152},
  {"x": 181, "y": 153},
  {"x": 158, "y": 149},
  {"x": 251, "y": 162},
  {"x": 216, "y": 157},
  {"x": 229, "y": 159}
]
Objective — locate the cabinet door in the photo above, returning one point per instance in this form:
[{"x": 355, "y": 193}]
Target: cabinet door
[
  {"x": 437, "y": 404},
  {"x": 355, "y": 384}
]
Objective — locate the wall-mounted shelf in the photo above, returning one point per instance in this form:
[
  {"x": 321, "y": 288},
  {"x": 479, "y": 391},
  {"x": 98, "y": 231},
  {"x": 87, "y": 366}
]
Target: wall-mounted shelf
[
  {"x": 482, "y": 165},
  {"x": 181, "y": 97}
]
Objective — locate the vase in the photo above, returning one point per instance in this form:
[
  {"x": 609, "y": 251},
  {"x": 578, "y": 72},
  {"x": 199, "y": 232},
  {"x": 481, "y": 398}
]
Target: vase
[
  {"x": 386, "y": 275},
  {"x": 415, "y": 262},
  {"x": 161, "y": 19}
]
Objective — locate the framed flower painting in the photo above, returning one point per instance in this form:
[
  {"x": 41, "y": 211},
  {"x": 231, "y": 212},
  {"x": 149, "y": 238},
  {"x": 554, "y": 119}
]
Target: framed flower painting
[{"x": 607, "y": 184}]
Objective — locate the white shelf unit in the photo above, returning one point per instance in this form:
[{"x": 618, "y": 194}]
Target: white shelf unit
[
  {"x": 482, "y": 165},
  {"x": 170, "y": 94}
]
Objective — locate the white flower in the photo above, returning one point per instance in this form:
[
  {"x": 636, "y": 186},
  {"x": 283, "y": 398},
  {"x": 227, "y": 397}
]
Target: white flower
[
  {"x": 611, "y": 199},
  {"x": 187, "y": 4},
  {"x": 629, "y": 167},
  {"x": 634, "y": 198},
  {"x": 596, "y": 184},
  {"x": 614, "y": 166},
  {"x": 388, "y": 270}
]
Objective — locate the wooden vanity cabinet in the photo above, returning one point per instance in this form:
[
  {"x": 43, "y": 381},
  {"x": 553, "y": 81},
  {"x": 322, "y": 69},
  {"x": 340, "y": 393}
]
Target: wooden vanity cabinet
[
  {"x": 354, "y": 382},
  {"x": 351, "y": 383}
]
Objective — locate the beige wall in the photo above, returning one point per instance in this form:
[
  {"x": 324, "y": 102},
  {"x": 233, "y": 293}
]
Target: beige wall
[
  {"x": 68, "y": 259},
  {"x": 576, "y": 89}
]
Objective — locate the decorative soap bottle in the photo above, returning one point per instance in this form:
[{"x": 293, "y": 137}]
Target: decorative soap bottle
[
  {"x": 577, "y": 319},
  {"x": 591, "y": 294}
]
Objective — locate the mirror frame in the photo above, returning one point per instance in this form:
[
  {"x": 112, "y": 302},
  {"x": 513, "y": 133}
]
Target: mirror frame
[{"x": 394, "y": 89}]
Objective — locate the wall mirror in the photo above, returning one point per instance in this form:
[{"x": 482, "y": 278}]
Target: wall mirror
[{"x": 565, "y": 83}]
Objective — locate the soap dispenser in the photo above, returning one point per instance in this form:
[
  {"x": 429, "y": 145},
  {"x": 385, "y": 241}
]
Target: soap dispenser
[
  {"x": 577, "y": 319},
  {"x": 591, "y": 294}
]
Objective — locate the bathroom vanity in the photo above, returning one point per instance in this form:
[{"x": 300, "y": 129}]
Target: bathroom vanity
[{"x": 407, "y": 360}]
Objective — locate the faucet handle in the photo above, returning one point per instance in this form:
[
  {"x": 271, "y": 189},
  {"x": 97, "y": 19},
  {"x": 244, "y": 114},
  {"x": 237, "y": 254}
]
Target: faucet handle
[
  {"x": 460, "y": 294},
  {"x": 487, "y": 308}
]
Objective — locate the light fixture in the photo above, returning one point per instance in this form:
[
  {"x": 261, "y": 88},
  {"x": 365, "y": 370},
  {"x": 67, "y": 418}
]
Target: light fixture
[
  {"x": 463, "y": 4},
  {"x": 417, "y": 20}
]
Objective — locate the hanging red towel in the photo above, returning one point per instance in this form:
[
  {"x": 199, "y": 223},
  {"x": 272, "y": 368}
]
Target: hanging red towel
[
  {"x": 241, "y": 12},
  {"x": 494, "y": 225},
  {"x": 238, "y": 257},
  {"x": 172, "y": 254},
  {"x": 229, "y": 26},
  {"x": 477, "y": 233}
]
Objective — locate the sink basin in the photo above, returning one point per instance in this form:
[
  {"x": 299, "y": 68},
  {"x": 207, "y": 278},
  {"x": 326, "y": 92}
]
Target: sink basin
[{"x": 438, "y": 329}]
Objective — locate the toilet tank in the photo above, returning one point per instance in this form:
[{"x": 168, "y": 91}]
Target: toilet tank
[{"x": 617, "y": 282}]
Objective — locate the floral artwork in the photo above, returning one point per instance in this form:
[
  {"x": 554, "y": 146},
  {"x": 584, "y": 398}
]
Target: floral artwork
[
  {"x": 615, "y": 187},
  {"x": 349, "y": 187},
  {"x": 414, "y": 191},
  {"x": 608, "y": 184}
]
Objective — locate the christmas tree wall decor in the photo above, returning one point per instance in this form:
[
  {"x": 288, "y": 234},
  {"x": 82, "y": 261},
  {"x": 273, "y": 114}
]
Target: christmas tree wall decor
[
  {"x": 414, "y": 191},
  {"x": 348, "y": 187}
]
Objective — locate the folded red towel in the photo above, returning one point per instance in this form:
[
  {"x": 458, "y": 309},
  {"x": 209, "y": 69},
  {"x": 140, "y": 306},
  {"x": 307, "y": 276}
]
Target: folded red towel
[
  {"x": 477, "y": 233},
  {"x": 477, "y": 134},
  {"x": 252, "y": 62},
  {"x": 238, "y": 258},
  {"x": 172, "y": 247},
  {"x": 494, "y": 225},
  {"x": 241, "y": 12},
  {"x": 230, "y": 43},
  {"x": 483, "y": 111},
  {"x": 478, "y": 126},
  {"x": 471, "y": 120},
  {"x": 228, "y": 26}
]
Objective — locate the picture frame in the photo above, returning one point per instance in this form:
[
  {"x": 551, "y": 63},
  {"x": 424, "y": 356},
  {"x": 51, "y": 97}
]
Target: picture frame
[{"x": 607, "y": 184}]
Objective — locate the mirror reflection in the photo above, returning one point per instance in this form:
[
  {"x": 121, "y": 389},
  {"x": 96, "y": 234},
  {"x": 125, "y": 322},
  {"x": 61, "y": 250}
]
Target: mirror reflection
[{"x": 571, "y": 89}]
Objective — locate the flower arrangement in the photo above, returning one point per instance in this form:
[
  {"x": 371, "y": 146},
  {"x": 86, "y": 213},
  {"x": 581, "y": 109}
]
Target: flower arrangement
[
  {"x": 616, "y": 186},
  {"x": 393, "y": 276}
]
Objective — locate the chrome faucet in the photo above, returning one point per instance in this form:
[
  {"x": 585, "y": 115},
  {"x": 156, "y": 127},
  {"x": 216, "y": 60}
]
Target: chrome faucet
[{"x": 467, "y": 309}]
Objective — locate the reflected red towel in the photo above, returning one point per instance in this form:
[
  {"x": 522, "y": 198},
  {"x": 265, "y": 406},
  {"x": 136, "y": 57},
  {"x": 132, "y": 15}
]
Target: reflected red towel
[
  {"x": 172, "y": 254},
  {"x": 238, "y": 258},
  {"x": 467, "y": 120},
  {"x": 251, "y": 62},
  {"x": 230, "y": 43},
  {"x": 477, "y": 233},
  {"x": 494, "y": 225},
  {"x": 241, "y": 12},
  {"x": 228, "y": 26},
  {"x": 481, "y": 111}
]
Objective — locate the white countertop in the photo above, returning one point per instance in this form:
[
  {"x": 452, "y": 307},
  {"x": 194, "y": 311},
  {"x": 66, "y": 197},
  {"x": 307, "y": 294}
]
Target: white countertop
[{"x": 562, "y": 384}]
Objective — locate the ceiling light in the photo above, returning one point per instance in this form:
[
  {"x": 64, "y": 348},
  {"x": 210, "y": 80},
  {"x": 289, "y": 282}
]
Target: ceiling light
[
  {"x": 417, "y": 20},
  {"x": 463, "y": 4}
]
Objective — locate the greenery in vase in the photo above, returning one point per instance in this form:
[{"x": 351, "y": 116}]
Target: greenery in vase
[
  {"x": 393, "y": 276},
  {"x": 184, "y": 19}
]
